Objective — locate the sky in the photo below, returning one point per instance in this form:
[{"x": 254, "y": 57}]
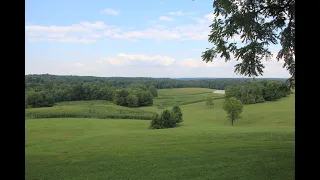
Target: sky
[{"x": 140, "y": 38}]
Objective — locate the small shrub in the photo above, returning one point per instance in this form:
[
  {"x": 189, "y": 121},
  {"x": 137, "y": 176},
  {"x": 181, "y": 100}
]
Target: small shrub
[
  {"x": 156, "y": 122},
  {"x": 177, "y": 114}
]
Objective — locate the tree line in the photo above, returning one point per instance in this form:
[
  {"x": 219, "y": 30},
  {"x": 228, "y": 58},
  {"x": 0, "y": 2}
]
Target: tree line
[
  {"x": 257, "y": 92},
  {"x": 45, "y": 90},
  {"x": 38, "y": 82},
  {"x": 135, "y": 95}
]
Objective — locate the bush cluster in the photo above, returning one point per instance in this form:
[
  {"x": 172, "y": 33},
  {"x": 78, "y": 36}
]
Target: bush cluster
[
  {"x": 258, "y": 92},
  {"x": 167, "y": 119}
]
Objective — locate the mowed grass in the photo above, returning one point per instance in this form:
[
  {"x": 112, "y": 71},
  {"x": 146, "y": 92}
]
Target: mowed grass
[
  {"x": 183, "y": 96},
  {"x": 205, "y": 146},
  {"x": 184, "y": 91}
]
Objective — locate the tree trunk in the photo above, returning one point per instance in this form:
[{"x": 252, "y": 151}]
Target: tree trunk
[{"x": 232, "y": 122}]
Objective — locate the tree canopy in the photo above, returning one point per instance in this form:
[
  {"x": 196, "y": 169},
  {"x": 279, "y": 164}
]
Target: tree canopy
[
  {"x": 234, "y": 108},
  {"x": 257, "y": 92},
  {"x": 258, "y": 23}
]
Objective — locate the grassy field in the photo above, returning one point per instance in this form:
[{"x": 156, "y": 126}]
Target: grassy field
[
  {"x": 183, "y": 96},
  {"x": 205, "y": 146},
  {"x": 88, "y": 109},
  {"x": 105, "y": 109}
]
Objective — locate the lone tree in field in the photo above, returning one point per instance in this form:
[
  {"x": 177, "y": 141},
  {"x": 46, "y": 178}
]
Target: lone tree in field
[
  {"x": 209, "y": 101},
  {"x": 258, "y": 23},
  {"x": 234, "y": 108}
]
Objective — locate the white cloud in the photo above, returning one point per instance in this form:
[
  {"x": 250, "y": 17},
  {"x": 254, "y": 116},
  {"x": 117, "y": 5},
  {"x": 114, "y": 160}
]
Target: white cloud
[
  {"x": 89, "y": 32},
  {"x": 133, "y": 59},
  {"x": 195, "y": 36},
  {"x": 199, "y": 31},
  {"x": 199, "y": 63},
  {"x": 209, "y": 17},
  {"x": 133, "y": 40},
  {"x": 74, "y": 28},
  {"x": 200, "y": 20},
  {"x": 158, "y": 32},
  {"x": 165, "y": 18},
  {"x": 180, "y": 13},
  {"x": 273, "y": 68},
  {"x": 31, "y": 34},
  {"x": 30, "y": 39},
  {"x": 161, "y": 33},
  {"x": 193, "y": 31},
  {"x": 133, "y": 65},
  {"x": 149, "y": 34},
  {"x": 95, "y": 25},
  {"x": 193, "y": 63},
  {"x": 79, "y": 64},
  {"x": 110, "y": 11},
  {"x": 95, "y": 35},
  {"x": 75, "y": 40},
  {"x": 136, "y": 59},
  {"x": 56, "y": 35},
  {"x": 111, "y": 32},
  {"x": 81, "y": 27},
  {"x": 84, "y": 32},
  {"x": 65, "y": 40},
  {"x": 197, "y": 50}
]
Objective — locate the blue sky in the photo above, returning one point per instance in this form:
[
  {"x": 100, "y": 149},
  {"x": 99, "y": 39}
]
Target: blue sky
[{"x": 162, "y": 38}]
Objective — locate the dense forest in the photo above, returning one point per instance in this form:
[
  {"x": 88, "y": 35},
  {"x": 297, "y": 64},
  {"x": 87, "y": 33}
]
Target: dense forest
[
  {"x": 257, "y": 92},
  {"x": 45, "y": 90}
]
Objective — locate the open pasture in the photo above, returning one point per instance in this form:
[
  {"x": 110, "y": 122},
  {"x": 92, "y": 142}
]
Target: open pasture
[{"x": 205, "y": 146}]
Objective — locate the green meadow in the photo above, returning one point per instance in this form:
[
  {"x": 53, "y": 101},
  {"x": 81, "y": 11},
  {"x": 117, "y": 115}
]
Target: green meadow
[{"x": 83, "y": 140}]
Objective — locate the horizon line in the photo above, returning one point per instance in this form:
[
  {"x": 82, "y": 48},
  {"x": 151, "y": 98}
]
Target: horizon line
[{"x": 162, "y": 77}]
